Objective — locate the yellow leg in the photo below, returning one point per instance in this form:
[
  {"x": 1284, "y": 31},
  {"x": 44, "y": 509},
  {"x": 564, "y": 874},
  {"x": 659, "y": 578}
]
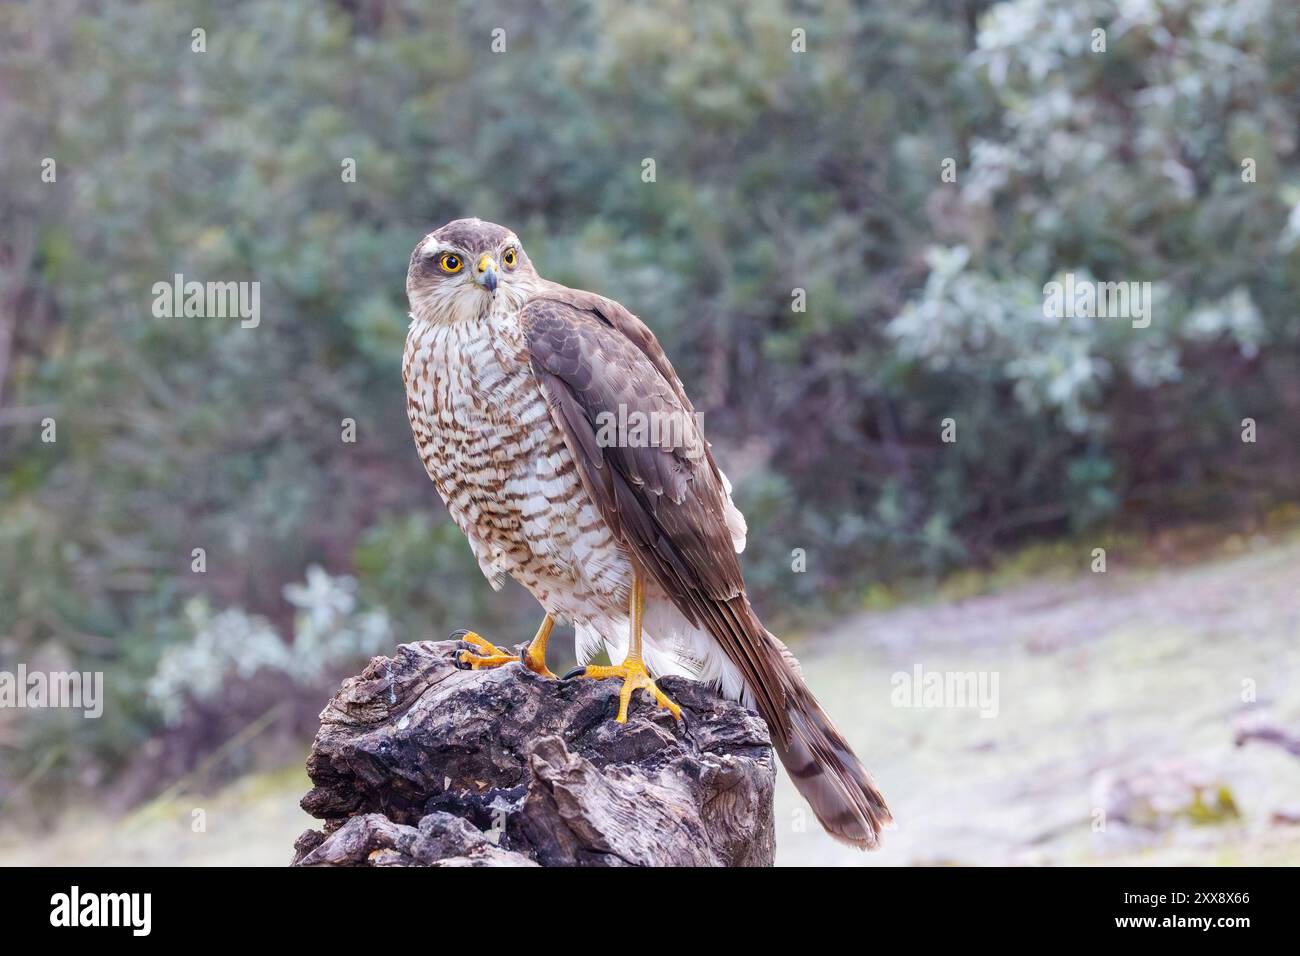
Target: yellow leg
[
  {"x": 534, "y": 658},
  {"x": 632, "y": 670}
]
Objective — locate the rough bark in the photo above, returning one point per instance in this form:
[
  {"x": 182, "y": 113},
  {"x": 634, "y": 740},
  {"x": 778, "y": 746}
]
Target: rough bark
[{"x": 418, "y": 762}]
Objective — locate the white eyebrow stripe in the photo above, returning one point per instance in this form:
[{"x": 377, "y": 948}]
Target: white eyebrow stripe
[{"x": 432, "y": 246}]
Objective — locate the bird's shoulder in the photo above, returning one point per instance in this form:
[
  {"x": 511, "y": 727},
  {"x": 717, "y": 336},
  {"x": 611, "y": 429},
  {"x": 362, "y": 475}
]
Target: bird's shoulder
[{"x": 560, "y": 321}]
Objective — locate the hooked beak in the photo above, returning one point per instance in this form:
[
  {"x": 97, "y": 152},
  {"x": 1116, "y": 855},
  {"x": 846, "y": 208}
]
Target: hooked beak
[{"x": 485, "y": 274}]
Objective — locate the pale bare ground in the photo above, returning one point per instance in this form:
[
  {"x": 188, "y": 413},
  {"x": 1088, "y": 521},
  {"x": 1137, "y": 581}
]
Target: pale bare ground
[
  {"x": 252, "y": 822},
  {"x": 1133, "y": 675}
]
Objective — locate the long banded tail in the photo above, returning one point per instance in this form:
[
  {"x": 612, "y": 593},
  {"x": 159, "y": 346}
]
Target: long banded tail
[{"x": 822, "y": 765}]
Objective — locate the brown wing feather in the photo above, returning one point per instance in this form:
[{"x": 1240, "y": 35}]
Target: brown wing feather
[{"x": 666, "y": 505}]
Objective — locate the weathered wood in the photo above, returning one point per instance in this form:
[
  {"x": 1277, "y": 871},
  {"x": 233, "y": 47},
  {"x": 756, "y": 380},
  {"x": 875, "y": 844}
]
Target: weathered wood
[{"x": 418, "y": 762}]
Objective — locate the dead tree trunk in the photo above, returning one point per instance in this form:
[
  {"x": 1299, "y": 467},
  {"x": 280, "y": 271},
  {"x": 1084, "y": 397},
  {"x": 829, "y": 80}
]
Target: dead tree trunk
[{"x": 420, "y": 763}]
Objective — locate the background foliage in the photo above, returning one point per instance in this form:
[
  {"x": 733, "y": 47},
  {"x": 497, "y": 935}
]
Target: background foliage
[{"x": 775, "y": 170}]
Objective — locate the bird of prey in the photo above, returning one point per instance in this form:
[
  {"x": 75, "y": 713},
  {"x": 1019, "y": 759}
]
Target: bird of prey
[{"x": 514, "y": 388}]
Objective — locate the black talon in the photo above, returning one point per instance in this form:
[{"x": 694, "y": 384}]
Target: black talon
[
  {"x": 576, "y": 672},
  {"x": 455, "y": 657}
]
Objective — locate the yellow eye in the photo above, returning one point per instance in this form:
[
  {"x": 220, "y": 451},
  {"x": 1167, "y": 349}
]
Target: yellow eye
[
  {"x": 509, "y": 259},
  {"x": 450, "y": 263}
]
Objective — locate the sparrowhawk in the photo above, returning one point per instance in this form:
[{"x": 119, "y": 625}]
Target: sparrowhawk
[{"x": 566, "y": 450}]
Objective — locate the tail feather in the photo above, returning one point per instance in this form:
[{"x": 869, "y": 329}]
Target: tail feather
[{"x": 823, "y": 767}]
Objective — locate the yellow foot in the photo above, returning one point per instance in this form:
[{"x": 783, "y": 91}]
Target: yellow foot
[
  {"x": 634, "y": 677},
  {"x": 493, "y": 656},
  {"x": 536, "y": 662}
]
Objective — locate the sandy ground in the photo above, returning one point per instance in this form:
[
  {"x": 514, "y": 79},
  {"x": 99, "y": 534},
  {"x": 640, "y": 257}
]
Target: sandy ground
[
  {"x": 250, "y": 823},
  {"x": 1117, "y": 697},
  {"x": 1110, "y": 686}
]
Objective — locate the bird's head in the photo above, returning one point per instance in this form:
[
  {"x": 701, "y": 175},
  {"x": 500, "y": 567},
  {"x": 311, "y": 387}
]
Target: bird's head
[{"x": 459, "y": 271}]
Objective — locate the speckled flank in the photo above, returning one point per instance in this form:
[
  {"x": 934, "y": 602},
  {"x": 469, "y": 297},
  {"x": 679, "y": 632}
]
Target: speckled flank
[{"x": 486, "y": 438}]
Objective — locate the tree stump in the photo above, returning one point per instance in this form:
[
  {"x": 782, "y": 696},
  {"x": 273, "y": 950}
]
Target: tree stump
[{"x": 420, "y": 763}]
